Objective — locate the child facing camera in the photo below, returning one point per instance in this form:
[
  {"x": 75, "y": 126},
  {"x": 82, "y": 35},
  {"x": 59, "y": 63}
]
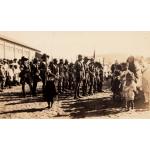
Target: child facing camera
[{"x": 129, "y": 90}]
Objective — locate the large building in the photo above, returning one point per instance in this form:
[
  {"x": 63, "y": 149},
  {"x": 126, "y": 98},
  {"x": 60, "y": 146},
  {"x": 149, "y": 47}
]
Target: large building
[{"x": 10, "y": 49}]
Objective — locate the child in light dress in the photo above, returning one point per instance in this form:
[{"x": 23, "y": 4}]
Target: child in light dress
[{"x": 129, "y": 90}]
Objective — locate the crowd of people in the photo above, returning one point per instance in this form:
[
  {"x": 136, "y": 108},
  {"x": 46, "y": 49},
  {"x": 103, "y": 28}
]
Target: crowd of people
[
  {"x": 84, "y": 77},
  {"x": 128, "y": 82}
]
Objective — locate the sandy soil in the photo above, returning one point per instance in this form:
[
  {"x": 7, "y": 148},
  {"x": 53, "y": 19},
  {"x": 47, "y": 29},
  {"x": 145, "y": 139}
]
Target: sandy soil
[{"x": 99, "y": 106}]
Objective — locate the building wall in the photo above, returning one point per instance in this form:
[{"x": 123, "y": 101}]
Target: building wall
[
  {"x": 1, "y": 49},
  {"x": 11, "y": 51}
]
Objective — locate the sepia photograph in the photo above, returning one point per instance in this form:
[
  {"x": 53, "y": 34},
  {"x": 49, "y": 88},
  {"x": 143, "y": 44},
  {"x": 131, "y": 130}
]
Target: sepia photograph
[{"x": 74, "y": 74}]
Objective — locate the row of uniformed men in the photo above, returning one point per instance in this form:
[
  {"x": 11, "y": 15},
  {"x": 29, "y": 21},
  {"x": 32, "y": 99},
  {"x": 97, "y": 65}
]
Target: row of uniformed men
[{"x": 84, "y": 73}]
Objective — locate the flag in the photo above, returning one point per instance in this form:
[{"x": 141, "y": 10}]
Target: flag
[{"x": 94, "y": 54}]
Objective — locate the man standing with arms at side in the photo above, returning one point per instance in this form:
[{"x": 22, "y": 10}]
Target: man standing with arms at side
[
  {"x": 86, "y": 73},
  {"x": 79, "y": 75},
  {"x": 92, "y": 76}
]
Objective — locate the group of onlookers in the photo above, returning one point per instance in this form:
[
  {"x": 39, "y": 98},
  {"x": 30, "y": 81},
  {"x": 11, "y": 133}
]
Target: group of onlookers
[
  {"x": 9, "y": 73},
  {"x": 128, "y": 80}
]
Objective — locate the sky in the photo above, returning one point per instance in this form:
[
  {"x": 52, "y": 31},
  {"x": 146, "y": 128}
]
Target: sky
[{"x": 68, "y": 44}]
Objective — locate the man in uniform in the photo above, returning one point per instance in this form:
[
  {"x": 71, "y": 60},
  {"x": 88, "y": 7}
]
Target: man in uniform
[
  {"x": 66, "y": 74},
  {"x": 71, "y": 76},
  {"x": 79, "y": 75},
  {"x": 61, "y": 76},
  {"x": 2, "y": 77},
  {"x": 43, "y": 70},
  {"x": 6, "y": 67},
  {"x": 25, "y": 75},
  {"x": 55, "y": 71},
  {"x": 100, "y": 87},
  {"x": 92, "y": 76},
  {"x": 98, "y": 77},
  {"x": 86, "y": 75},
  {"x": 35, "y": 72}
]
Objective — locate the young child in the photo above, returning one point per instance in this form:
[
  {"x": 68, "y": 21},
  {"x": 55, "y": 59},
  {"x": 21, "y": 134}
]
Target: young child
[
  {"x": 129, "y": 89},
  {"x": 50, "y": 89}
]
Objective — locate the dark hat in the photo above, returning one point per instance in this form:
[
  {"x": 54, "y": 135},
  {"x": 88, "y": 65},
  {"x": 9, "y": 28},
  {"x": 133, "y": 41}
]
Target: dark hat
[
  {"x": 66, "y": 61},
  {"x": 4, "y": 60},
  {"x": 24, "y": 58},
  {"x": 35, "y": 60},
  {"x": 55, "y": 60},
  {"x": 71, "y": 64},
  {"x": 92, "y": 58},
  {"x": 86, "y": 58},
  {"x": 61, "y": 60},
  {"x": 79, "y": 55},
  {"x": 44, "y": 56}
]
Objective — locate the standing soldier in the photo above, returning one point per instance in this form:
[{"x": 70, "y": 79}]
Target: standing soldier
[
  {"x": 92, "y": 75},
  {"x": 6, "y": 67},
  {"x": 61, "y": 76},
  {"x": 35, "y": 72},
  {"x": 25, "y": 75},
  {"x": 71, "y": 76},
  {"x": 97, "y": 77},
  {"x": 66, "y": 74},
  {"x": 79, "y": 75},
  {"x": 55, "y": 71},
  {"x": 86, "y": 74},
  {"x": 2, "y": 77},
  {"x": 43, "y": 70},
  {"x": 100, "y": 87}
]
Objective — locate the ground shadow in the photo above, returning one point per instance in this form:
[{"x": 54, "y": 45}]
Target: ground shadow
[
  {"x": 90, "y": 107},
  {"x": 23, "y": 110}
]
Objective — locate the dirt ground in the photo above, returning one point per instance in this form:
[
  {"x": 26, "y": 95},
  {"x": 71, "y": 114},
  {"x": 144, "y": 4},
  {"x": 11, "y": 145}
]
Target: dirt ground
[{"x": 98, "y": 106}]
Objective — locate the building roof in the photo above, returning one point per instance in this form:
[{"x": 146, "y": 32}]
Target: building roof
[{"x": 17, "y": 43}]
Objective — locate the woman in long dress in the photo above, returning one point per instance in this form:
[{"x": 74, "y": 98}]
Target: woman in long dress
[{"x": 146, "y": 84}]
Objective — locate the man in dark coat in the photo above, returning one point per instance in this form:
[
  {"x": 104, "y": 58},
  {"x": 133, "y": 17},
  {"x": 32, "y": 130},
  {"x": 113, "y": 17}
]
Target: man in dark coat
[
  {"x": 25, "y": 75},
  {"x": 66, "y": 74},
  {"x": 35, "y": 72},
  {"x": 86, "y": 73},
  {"x": 2, "y": 77},
  {"x": 43, "y": 70},
  {"x": 61, "y": 76},
  {"x": 92, "y": 75},
  {"x": 79, "y": 75},
  {"x": 71, "y": 76},
  {"x": 55, "y": 71}
]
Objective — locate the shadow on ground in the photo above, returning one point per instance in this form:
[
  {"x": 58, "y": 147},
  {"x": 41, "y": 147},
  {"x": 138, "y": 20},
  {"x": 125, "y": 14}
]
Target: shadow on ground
[
  {"x": 90, "y": 107},
  {"x": 85, "y": 107},
  {"x": 23, "y": 110}
]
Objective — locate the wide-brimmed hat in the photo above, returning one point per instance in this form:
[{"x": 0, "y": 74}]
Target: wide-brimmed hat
[
  {"x": 23, "y": 58},
  {"x": 44, "y": 56},
  {"x": 4, "y": 60}
]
